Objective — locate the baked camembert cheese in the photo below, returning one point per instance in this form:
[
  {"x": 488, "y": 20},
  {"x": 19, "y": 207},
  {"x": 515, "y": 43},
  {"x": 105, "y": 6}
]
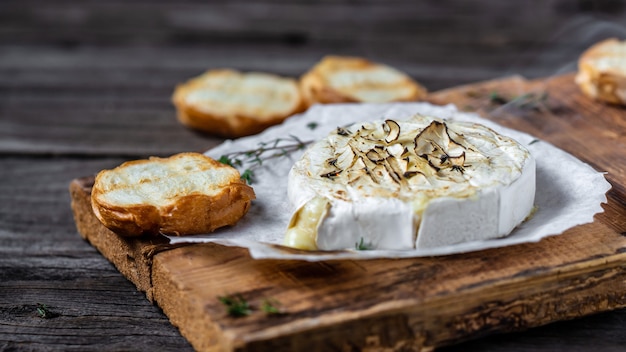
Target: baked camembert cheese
[{"x": 400, "y": 185}]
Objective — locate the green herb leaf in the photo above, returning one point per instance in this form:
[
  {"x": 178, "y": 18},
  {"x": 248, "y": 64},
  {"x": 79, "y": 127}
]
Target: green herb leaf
[
  {"x": 44, "y": 312},
  {"x": 531, "y": 100},
  {"x": 225, "y": 160},
  {"x": 496, "y": 98},
  {"x": 312, "y": 125},
  {"x": 236, "y": 306},
  {"x": 254, "y": 158},
  {"x": 362, "y": 246},
  {"x": 247, "y": 176},
  {"x": 271, "y": 306}
]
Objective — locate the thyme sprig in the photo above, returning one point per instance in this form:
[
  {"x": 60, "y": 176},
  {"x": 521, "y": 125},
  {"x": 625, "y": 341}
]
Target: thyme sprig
[
  {"x": 44, "y": 311},
  {"x": 236, "y": 305},
  {"x": 254, "y": 158},
  {"x": 535, "y": 101},
  {"x": 496, "y": 98},
  {"x": 527, "y": 101},
  {"x": 312, "y": 125},
  {"x": 272, "y": 306},
  {"x": 362, "y": 246}
]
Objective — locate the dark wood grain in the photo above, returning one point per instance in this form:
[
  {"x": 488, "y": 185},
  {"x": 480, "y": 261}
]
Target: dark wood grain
[
  {"x": 85, "y": 85},
  {"x": 43, "y": 261},
  {"x": 95, "y": 78}
]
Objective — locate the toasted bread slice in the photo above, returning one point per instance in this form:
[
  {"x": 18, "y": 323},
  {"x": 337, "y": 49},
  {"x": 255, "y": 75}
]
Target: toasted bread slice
[
  {"x": 233, "y": 104},
  {"x": 602, "y": 71},
  {"x": 188, "y": 193},
  {"x": 337, "y": 79}
]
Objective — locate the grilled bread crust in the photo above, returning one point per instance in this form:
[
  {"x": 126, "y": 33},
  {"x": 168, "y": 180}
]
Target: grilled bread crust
[
  {"x": 602, "y": 71},
  {"x": 342, "y": 79},
  {"x": 233, "y": 104},
  {"x": 188, "y": 193}
]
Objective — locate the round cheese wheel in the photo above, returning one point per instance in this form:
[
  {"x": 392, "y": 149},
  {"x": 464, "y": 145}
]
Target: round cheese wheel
[{"x": 418, "y": 183}]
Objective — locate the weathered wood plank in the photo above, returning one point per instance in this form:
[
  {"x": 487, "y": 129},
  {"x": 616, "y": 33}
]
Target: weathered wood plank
[
  {"x": 91, "y": 313},
  {"x": 107, "y": 87},
  {"x": 43, "y": 260},
  {"x": 141, "y": 22},
  {"x": 330, "y": 305},
  {"x": 127, "y": 114},
  {"x": 103, "y": 69},
  {"x": 581, "y": 336}
]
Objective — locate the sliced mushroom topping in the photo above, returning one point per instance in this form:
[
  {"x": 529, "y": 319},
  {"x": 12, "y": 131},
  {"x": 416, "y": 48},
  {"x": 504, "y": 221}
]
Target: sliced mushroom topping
[
  {"x": 426, "y": 140},
  {"x": 435, "y": 145},
  {"x": 458, "y": 162},
  {"x": 343, "y": 132},
  {"x": 331, "y": 175},
  {"x": 409, "y": 174},
  {"x": 371, "y": 133},
  {"x": 345, "y": 158},
  {"x": 396, "y": 150},
  {"x": 377, "y": 153},
  {"x": 392, "y": 129},
  {"x": 329, "y": 168},
  {"x": 356, "y": 171},
  {"x": 378, "y": 174},
  {"x": 394, "y": 168},
  {"x": 405, "y": 157},
  {"x": 403, "y": 164},
  {"x": 375, "y": 156}
]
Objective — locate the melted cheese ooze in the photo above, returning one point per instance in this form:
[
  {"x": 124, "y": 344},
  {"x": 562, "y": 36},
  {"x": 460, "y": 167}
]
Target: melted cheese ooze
[
  {"x": 302, "y": 232},
  {"x": 419, "y": 183}
]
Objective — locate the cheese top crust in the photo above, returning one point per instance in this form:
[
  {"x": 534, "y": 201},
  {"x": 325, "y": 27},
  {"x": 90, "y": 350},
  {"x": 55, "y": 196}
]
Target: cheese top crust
[{"x": 391, "y": 171}]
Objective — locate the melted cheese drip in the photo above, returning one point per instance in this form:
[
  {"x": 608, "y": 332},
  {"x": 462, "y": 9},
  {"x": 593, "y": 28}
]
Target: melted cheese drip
[{"x": 302, "y": 230}]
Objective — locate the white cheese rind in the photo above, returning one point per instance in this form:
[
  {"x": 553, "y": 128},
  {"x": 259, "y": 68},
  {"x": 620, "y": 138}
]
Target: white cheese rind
[
  {"x": 350, "y": 223},
  {"x": 487, "y": 198},
  {"x": 447, "y": 221},
  {"x": 517, "y": 199}
]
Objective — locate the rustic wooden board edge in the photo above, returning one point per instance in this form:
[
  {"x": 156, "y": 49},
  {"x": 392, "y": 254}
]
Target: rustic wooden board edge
[
  {"x": 131, "y": 256},
  {"x": 448, "y": 321},
  {"x": 514, "y": 304},
  {"x": 504, "y": 312}
]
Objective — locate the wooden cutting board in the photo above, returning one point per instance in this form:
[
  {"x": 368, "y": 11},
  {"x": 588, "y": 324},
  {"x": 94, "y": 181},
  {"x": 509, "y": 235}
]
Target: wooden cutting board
[{"x": 403, "y": 304}]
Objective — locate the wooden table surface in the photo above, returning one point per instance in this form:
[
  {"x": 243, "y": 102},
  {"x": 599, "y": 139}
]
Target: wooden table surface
[{"x": 86, "y": 85}]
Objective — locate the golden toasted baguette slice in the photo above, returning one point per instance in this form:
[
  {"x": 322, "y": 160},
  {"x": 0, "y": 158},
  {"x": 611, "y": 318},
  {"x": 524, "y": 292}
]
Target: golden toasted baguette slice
[
  {"x": 602, "y": 71},
  {"x": 188, "y": 193},
  {"x": 337, "y": 79},
  {"x": 233, "y": 104}
]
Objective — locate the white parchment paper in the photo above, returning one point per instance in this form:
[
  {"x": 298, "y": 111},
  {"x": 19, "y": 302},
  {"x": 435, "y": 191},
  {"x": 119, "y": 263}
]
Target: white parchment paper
[{"x": 569, "y": 192}]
